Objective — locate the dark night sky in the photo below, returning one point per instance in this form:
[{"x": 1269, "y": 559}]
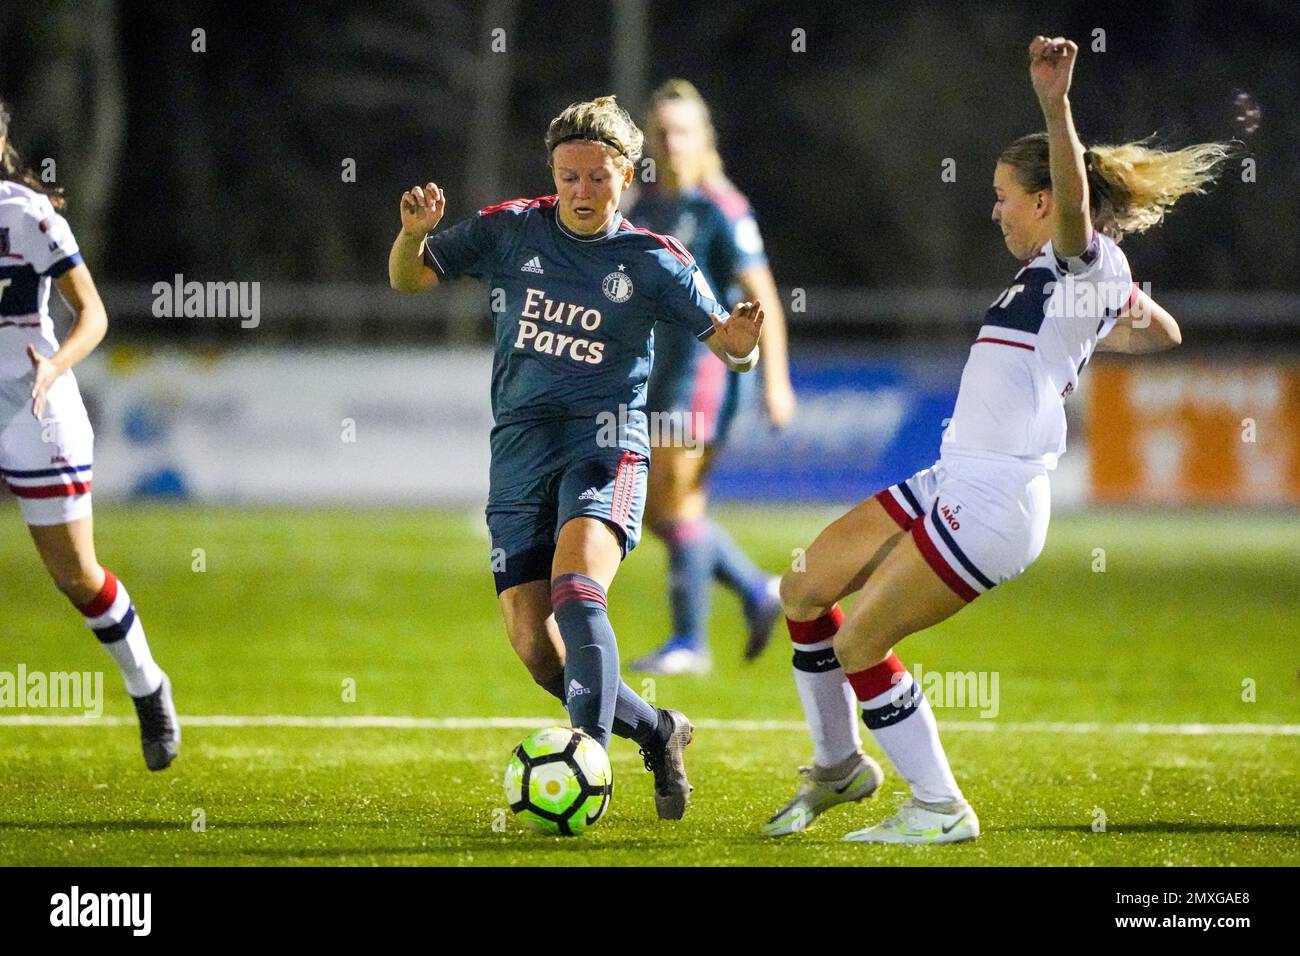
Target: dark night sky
[{"x": 231, "y": 157}]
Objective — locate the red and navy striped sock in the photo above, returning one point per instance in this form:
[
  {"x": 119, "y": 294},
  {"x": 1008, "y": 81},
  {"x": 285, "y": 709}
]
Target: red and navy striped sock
[
  {"x": 902, "y": 723},
  {"x": 828, "y": 702},
  {"x": 111, "y": 616}
]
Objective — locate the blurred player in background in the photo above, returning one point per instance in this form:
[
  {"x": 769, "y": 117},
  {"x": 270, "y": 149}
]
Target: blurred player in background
[
  {"x": 692, "y": 200},
  {"x": 582, "y": 289},
  {"x": 921, "y": 550},
  {"x": 45, "y": 436}
]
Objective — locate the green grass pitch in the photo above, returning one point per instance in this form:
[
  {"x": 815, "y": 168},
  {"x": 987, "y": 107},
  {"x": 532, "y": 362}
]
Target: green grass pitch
[{"x": 1191, "y": 612}]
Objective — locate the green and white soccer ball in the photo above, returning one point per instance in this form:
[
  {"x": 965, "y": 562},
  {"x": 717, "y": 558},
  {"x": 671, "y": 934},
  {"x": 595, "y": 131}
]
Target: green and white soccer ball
[{"x": 559, "y": 781}]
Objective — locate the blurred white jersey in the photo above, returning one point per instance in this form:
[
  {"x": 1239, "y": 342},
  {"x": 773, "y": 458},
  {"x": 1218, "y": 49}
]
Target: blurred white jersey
[
  {"x": 36, "y": 246},
  {"x": 1036, "y": 338},
  {"x": 46, "y": 464}
]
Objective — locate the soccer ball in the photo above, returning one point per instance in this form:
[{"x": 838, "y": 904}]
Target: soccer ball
[{"x": 559, "y": 781}]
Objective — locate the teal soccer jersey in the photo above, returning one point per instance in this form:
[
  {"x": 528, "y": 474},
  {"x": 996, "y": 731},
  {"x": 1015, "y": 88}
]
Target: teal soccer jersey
[{"x": 574, "y": 318}]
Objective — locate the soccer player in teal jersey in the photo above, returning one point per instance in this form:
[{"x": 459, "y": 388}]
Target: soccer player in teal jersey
[
  {"x": 578, "y": 291},
  {"x": 692, "y": 199}
]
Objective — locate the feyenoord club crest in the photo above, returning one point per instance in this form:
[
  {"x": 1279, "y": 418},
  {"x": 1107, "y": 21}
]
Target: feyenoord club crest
[{"x": 617, "y": 286}]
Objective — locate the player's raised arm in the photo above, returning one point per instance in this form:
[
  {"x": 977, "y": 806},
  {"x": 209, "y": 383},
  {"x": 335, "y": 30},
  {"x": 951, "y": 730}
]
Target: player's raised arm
[
  {"x": 735, "y": 341},
  {"x": 1143, "y": 326},
  {"x": 1051, "y": 69},
  {"x": 421, "y": 209}
]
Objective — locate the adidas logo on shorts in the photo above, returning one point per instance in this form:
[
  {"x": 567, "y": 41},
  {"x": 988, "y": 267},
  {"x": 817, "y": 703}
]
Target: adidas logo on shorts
[
  {"x": 533, "y": 265},
  {"x": 591, "y": 494}
]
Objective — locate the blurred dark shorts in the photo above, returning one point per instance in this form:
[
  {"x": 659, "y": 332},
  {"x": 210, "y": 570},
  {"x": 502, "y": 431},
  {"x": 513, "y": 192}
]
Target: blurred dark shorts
[{"x": 524, "y": 521}]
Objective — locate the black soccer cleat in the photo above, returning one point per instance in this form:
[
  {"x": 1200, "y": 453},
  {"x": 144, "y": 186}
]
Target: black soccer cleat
[
  {"x": 160, "y": 729},
  {"x": 666, "y": 763}
]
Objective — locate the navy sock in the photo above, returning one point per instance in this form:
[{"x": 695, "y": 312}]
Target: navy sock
[
  {"x": 591, "y": 681},
  {"x": 733, "y": 568},
  {"x": 634, "y": 719},
  {"x": 690, "y": 563}
]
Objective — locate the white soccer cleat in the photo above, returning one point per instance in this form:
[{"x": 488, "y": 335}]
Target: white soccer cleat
[
  {"x": 915, "y": 822},
  {"x": 819, "y": 791}
]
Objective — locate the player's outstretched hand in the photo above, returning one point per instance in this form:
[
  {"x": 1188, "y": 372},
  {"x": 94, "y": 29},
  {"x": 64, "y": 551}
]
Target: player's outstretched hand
[
  {"x": 422, "y": 209},
  {"x": 44, "y": 375},
  {"x": 1051, "y": 66},
  {"x": 739, "y": 334}
]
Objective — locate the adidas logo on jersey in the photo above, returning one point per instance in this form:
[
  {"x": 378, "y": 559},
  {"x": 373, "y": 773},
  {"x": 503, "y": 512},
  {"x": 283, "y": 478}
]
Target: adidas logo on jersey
[
  {"x": 533, "y": 265},
  {"x": 591, "y": 494}
]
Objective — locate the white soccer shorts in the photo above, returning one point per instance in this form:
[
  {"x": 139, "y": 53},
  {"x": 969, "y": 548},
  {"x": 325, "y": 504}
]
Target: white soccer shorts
[
  {"x": 46, "y": 464},
  {"x": 977, "y": 522}
]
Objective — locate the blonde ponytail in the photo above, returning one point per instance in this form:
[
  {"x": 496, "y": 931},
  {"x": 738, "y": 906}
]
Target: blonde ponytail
[
  {"x": 1130, "y": 187},
  {"x": 1134, "y": 185}
]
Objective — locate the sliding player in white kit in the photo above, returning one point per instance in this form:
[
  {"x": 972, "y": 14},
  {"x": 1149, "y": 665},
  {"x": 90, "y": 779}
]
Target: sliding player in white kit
[
  {"x": 921, "y": 550},
  {"x": 46, "y": 438}
]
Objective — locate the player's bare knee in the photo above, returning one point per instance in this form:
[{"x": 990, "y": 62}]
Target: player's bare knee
[
  {"x": 78, "y": 584},
  {"x": 799, "y": 599},
  {"x": 789, "y": 593}
]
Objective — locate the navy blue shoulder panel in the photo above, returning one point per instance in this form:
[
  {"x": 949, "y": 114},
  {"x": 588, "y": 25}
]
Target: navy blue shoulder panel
[{"x": 1025, "y": 309}]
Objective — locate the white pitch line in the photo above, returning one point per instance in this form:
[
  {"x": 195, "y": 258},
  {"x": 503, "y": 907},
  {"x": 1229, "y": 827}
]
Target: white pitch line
[{"x": 529, "y": 723}]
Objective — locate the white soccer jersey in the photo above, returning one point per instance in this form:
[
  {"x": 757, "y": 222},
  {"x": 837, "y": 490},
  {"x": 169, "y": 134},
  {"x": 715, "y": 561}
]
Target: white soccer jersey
[
  {"x": 1036, "y": 338},
  {"x": 36, "y": 246}
]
